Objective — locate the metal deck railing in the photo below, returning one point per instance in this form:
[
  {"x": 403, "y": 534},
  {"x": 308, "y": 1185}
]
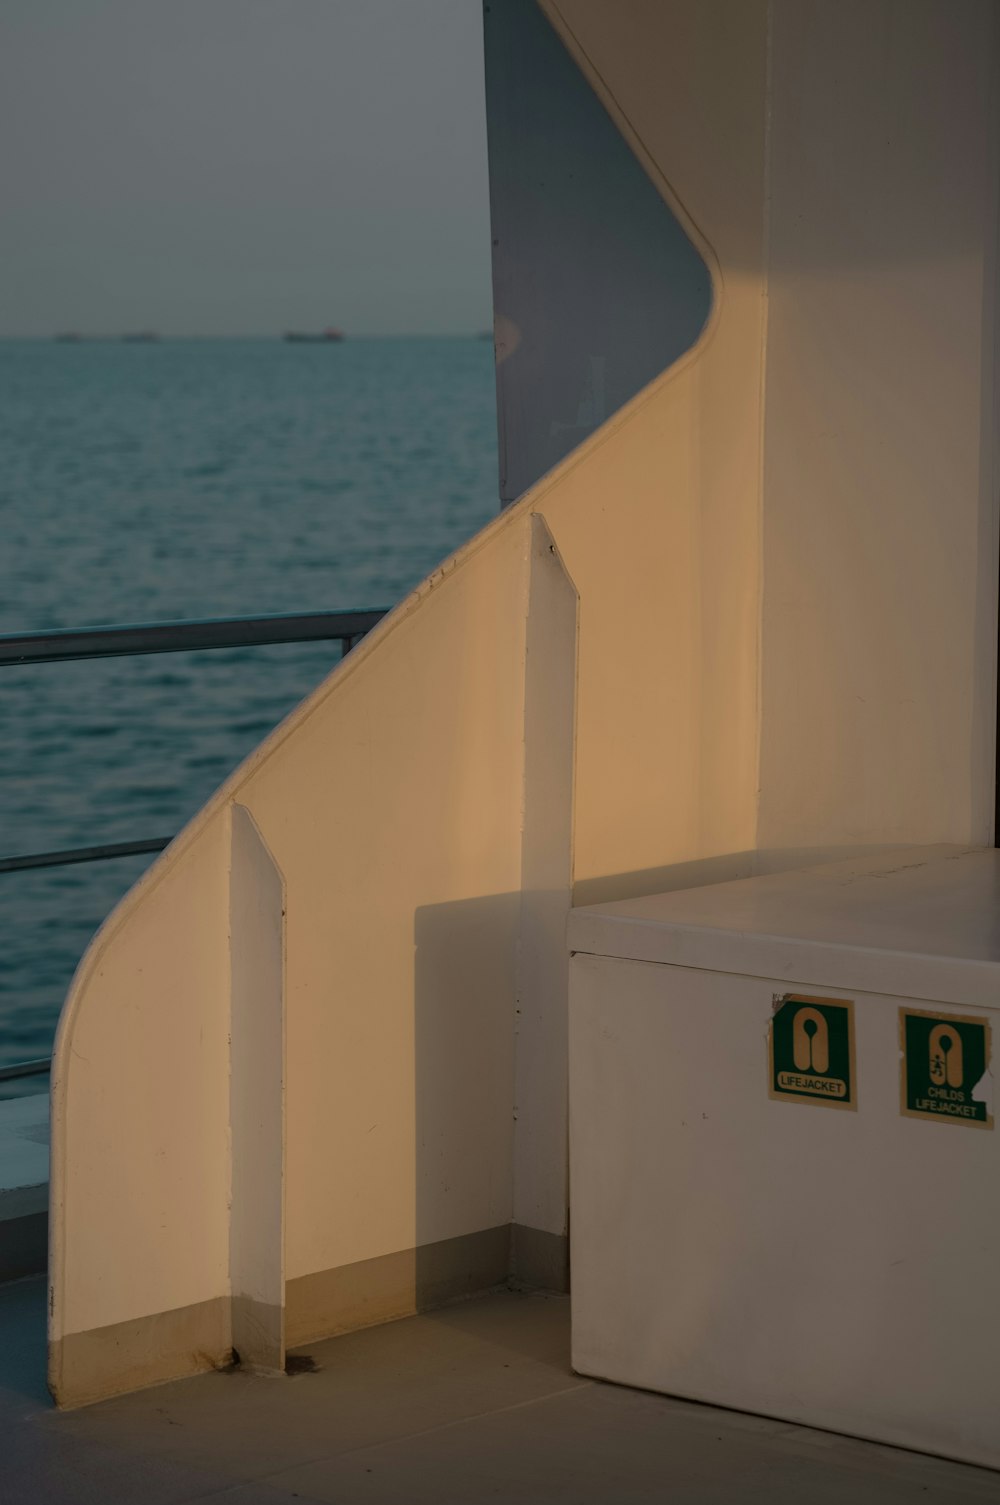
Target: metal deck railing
[{"x": 131, "y": 640}]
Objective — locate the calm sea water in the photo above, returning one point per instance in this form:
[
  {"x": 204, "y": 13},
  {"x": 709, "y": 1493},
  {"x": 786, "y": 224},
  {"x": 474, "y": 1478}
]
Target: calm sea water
[{"x": 187, "y": 479}]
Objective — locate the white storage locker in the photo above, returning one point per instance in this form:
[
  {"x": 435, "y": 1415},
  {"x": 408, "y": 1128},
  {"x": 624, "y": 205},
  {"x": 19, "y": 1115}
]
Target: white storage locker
[{"x": 785, "y": 1180}]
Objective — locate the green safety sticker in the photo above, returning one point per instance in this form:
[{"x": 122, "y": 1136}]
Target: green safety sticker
[
  {"x": 811, "y": 1051},
  {"x": 944, "y": 1060}
]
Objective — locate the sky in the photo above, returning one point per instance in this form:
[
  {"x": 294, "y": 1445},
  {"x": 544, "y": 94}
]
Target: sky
[{"x": 240, "y": 167}]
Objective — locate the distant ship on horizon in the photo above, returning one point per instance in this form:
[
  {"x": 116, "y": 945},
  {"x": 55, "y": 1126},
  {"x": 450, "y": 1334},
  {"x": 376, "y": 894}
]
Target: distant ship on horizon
[{"x": 325, "y": 337}]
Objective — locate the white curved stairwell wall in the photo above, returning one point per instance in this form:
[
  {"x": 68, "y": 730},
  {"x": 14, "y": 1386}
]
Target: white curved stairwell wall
[{"x": 425, "y": 809}]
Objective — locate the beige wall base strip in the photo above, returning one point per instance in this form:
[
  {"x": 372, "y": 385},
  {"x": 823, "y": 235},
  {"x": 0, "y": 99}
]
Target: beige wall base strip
[
  {"x": 539, "y": 1259},
  {"x": 90, "y": 1366},
  {"x": 417, "y": 1280},
  {"x": 258, "y": 1335},
  {"x": 394, "y": 1285}
]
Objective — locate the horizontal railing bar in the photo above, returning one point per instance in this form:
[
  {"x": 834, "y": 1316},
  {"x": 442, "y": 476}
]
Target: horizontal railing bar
[
  {"x": 65, "y": 643},
  {"x": 25, "y": 1068},
  {"x": 84, "y": 854}
]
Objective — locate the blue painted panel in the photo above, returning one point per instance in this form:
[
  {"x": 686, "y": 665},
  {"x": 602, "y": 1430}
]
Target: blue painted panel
[{"x": 596, "y": 286}]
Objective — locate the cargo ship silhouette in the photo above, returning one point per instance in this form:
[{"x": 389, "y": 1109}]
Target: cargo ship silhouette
[{"x": 325, "y": 337}]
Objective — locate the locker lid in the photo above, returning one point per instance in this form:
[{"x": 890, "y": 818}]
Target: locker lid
[{"x": 913, "y": 922}]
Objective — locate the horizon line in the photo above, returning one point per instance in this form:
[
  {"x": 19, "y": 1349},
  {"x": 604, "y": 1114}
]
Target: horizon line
[{"x": 71, "y": 336}]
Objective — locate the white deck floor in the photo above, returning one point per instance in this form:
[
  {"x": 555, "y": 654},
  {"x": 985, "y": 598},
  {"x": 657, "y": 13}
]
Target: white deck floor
[{"x": 473, "y": 1403}]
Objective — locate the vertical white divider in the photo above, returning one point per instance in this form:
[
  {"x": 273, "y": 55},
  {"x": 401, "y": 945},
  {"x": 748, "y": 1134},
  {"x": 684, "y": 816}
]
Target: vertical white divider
[
  {"x": 257, "y": 1098},
  {"x": 540, "y": 1092}
]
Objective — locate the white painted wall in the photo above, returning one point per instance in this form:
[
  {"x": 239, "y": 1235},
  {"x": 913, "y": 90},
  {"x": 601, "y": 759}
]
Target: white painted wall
[
  {"x": 880, "y": 479},
  {"x": 140, "y": 1101},
  {"x": 393, "y": 801}
]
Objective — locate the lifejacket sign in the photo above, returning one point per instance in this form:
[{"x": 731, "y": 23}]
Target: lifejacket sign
[
  {"x": 811, "y": 1051},
  {"x": 944, "y": 1060}
]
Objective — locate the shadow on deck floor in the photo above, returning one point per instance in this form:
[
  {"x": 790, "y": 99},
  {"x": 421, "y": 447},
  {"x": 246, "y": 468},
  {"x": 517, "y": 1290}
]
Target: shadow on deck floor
[{"x": 476, "y": 1402}]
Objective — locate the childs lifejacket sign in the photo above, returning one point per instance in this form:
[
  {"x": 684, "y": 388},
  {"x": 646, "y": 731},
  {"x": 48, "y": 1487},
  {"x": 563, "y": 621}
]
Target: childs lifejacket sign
[
  {"x": 811, "y": 1051},
  {"x": 944, "y": 1060}
]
